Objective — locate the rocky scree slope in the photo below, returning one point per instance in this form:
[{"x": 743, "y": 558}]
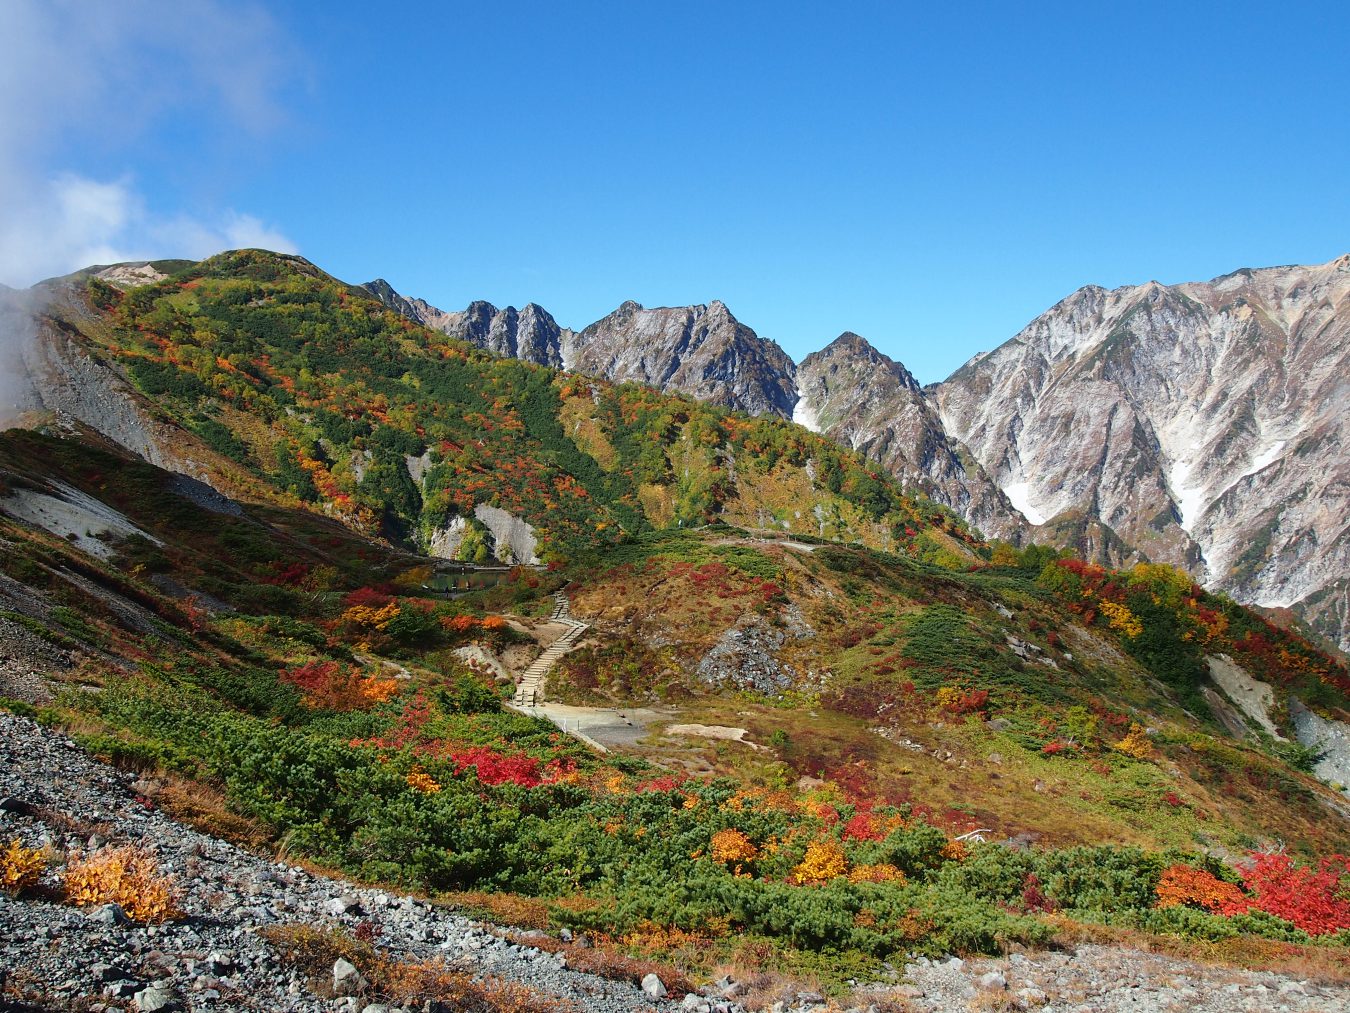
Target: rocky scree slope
[
  {"x": 215, "y": 957},
  {"x": 1203, "y": 424},
  {"x": 222, "y": 955}
]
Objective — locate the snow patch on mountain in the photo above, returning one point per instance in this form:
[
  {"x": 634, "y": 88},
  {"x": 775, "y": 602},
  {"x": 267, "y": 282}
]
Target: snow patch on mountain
[
  {"x": 804, "y": 415},
  {"x": 1019, "y": 495},
  {"x": 1191, "y": 499}
]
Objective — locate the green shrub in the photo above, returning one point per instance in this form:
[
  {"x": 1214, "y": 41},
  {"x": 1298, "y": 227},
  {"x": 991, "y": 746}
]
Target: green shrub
[{"x": 1105, "y": 878}]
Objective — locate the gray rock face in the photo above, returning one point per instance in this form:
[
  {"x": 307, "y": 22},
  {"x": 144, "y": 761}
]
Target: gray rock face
[
  {"x": 156, "y": 999},
  {"x": 654, "y": 987},
  {"x": 513, "y": 540},
  {"x": 530, "y": 334},
  {"x": 347, "y": 980},
  {"x": 702, "y": 351},
  {"x": 1205, "y": 425},
  {"x": 1332, "y": 738},
  {"x": 871, "y": 403}
]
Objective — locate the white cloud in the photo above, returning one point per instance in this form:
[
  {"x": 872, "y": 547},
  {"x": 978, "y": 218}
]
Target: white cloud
[{"x": 87, "y": 83}]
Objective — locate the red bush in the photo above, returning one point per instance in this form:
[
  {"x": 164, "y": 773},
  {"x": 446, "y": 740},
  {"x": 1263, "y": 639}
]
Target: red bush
[
  {"x": 370, "y": 597},
  {"x": 1316, "y": 900},
  {"x": 862, "y": 827},
  {"x": 493, "y": 768}
]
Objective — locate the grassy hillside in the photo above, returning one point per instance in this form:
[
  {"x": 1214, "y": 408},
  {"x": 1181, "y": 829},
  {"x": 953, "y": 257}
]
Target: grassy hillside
[
  {"x": 398, "y": 430},
  {"x": 332, "y": 718}
]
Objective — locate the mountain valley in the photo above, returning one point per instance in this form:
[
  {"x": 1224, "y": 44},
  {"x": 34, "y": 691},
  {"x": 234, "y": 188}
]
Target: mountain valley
[
  {"x": 280, "y": 548},
  {"x": 1201, "y": 425}
]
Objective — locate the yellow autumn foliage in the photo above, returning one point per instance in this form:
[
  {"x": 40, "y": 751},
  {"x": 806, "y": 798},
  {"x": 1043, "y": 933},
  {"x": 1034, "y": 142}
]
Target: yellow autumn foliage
[
  {"x": 824, "y": 860},
  {"x": 882, "y": 873},
  {"x": 128, "y": 877},
  {"x": 1121, "y": 618},
  {"x": 1136, "y": 743},
  {"x": 419, "y": 780},
  {"x": 20, "y": 868},
  {"x": 364, "y": 615}
]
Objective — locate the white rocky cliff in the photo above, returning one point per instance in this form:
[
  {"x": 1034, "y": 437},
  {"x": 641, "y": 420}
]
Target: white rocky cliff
[{"x": 1204, "y": 424}]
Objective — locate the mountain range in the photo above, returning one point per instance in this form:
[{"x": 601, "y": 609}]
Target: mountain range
[
  {"x": 755, "y": 694},
  {"x": 1204, "y": 424}
]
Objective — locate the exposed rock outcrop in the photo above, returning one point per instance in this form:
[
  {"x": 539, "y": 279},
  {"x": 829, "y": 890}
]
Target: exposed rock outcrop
[{"x": 746, "y": 657}]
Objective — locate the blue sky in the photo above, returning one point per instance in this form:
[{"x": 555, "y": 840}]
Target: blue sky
[{"x": 929, "y": 180}]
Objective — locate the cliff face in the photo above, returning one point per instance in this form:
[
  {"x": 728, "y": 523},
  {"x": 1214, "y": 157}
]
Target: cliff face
[
  {"x": 1203, "y": 424},
  {"x": 871, "y": 403},
  {"x": 703, "y": 351}
]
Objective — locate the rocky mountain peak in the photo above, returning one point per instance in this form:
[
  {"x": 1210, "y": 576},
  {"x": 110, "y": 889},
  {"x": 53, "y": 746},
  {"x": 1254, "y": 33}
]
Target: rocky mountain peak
[
  {"x": 701, "y": 350},
  {"x": 1202, "y": 424}
]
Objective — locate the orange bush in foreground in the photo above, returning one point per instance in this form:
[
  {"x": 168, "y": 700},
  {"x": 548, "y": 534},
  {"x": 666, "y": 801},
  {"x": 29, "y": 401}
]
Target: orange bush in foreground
[
  {"x": 733, "y": 847},
  {"x": 127, "y": 877},
  {"x": 1185, "y": 884},
  {"x": 20, "y": 868}
]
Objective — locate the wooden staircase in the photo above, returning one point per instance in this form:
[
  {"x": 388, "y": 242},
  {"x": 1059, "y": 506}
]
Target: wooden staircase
[{"x": 529, "y": 692}]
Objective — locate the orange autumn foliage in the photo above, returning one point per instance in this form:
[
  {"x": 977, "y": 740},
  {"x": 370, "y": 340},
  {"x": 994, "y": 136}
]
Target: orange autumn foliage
[
  {"x": 733, "y": 847},
  {"x": 1192, "y": 887}
]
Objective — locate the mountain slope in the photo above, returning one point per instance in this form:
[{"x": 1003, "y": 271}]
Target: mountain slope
[
  {"x": 256, "y": 372},
  {"x": 1204, "y": 424},
  {"x": 702, "y": 351},
  {"x": 867, "y": 401}
]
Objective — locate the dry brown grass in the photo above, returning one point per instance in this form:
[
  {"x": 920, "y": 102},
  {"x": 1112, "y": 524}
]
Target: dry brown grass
[
  {"x": 994, "y": 1002},
  {"x": 501, "y": 908},
  {"x": 753, "y": 964},
  {"x": 410, "y": 983},
  {"x": 881, "y": 1001},
  {"x": 204, "y": 808}
]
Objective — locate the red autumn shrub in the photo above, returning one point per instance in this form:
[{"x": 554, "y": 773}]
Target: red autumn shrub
[
  {"x": 494, "y": 768},
  {"x": 1316, "y": 900},
  {"x": 862, "y": 827},
  {"x": 1033, "y": 897},
  {"x": 368, "y": 597}
]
